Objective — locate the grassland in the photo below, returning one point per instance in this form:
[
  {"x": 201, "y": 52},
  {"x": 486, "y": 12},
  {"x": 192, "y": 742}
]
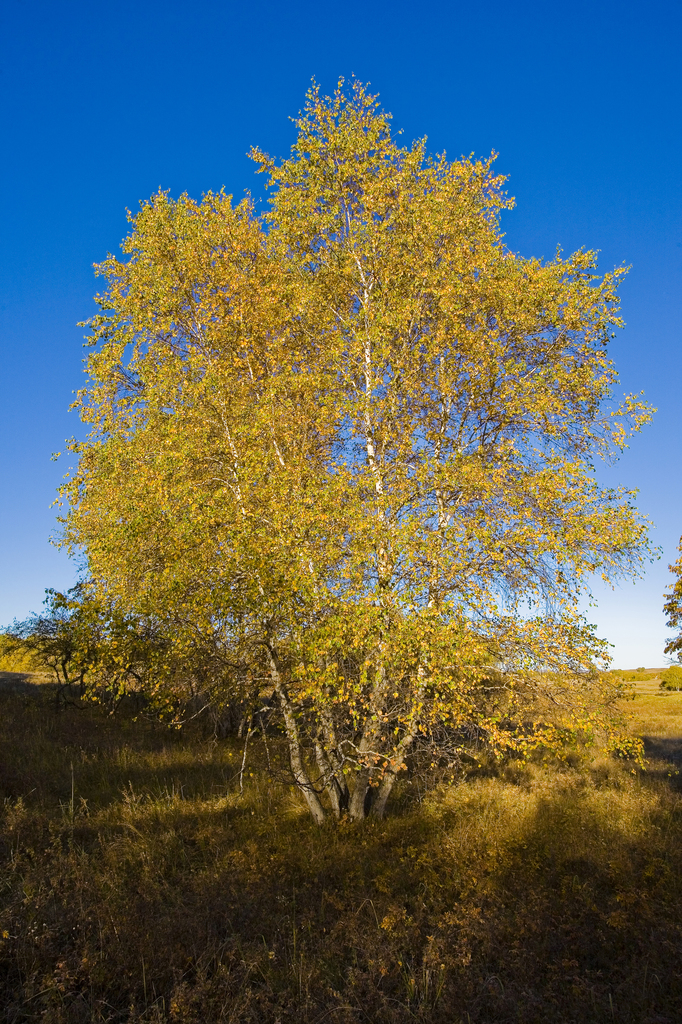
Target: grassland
[{"x": 139, "y": 884}]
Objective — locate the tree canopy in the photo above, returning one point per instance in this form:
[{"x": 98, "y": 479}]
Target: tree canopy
[{"x": 350, "y": 441}]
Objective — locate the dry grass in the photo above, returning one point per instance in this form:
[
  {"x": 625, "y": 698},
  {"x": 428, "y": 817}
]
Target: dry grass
[
  {"x": 657, "y": 716},
  {"x": 138, "y": 885}
]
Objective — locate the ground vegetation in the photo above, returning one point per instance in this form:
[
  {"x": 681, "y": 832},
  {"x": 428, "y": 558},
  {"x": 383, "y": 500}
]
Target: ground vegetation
[{"x": 140, "y": 882}]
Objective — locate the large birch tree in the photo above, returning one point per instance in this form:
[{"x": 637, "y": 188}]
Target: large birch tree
[{"x": 353, "y": 439}]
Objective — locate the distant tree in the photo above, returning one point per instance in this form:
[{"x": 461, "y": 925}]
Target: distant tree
[{"x": 353, "y": 440}]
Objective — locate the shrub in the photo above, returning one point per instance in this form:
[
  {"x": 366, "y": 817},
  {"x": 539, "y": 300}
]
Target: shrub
[{"x": 672, "y": 678}]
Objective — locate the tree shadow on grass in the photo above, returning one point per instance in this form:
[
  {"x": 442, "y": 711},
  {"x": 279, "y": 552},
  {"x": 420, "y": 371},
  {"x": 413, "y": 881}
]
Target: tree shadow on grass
[
  {"x": 26, "y": 683},
  {"x": 663, "y": 748},
  {"x": 583, "y": 921}
]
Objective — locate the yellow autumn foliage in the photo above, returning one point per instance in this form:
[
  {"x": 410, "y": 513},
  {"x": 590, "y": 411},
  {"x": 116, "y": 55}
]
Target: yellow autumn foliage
[{"x": 352, "y": 441}]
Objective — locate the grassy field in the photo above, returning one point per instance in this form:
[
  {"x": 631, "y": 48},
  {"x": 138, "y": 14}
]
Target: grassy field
[{"x": 138, "y": 884}]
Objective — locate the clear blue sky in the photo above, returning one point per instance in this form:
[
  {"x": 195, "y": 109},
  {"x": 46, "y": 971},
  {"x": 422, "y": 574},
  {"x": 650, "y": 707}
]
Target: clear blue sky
[{"x": 102, "y": 103}]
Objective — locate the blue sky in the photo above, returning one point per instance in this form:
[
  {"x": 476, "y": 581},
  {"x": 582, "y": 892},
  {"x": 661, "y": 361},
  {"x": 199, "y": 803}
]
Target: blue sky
[{"x": 102, "y": 104}]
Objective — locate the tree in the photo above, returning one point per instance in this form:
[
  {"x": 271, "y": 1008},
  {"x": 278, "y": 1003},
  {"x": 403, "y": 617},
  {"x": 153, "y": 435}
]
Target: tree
[
  {"x": 673, "y": 607},
  {"x": 63, "y": 639},
  {"x": 98, "y": 652},
  {"x": 353, "y": 439},
  {"x": 94, "y": 651}
]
